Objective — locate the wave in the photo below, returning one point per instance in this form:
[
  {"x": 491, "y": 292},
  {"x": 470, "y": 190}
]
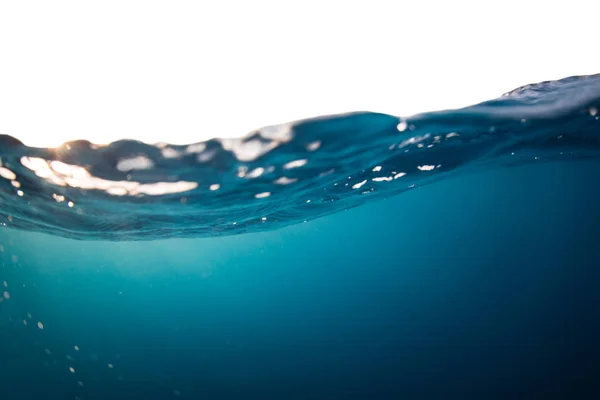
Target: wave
[{"x": 286, "y": 174}]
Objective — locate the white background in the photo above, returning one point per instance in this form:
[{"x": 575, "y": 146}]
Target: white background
[{"x": 185, "y": 71}]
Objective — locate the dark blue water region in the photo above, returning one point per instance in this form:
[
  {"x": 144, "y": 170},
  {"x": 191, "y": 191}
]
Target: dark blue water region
[{"x": 481, "y": 286}]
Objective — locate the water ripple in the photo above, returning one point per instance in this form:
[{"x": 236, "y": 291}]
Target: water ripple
[{"x": 287, "y": 174}]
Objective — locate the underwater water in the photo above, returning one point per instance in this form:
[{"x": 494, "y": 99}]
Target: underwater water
[{"x": 450, "y": 254}]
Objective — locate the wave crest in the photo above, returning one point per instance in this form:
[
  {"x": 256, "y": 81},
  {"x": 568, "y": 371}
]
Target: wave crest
[{"x": 281, "y": 175}]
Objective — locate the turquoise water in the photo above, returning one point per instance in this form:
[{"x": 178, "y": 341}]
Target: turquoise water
[{"x": 476, "y": 279}]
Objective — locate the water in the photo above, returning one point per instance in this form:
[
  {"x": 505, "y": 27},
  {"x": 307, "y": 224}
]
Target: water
[{"x": 245, "y": 268}]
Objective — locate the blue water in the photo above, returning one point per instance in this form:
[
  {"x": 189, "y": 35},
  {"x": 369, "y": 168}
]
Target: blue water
[{"x": 364, "y": 256}]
